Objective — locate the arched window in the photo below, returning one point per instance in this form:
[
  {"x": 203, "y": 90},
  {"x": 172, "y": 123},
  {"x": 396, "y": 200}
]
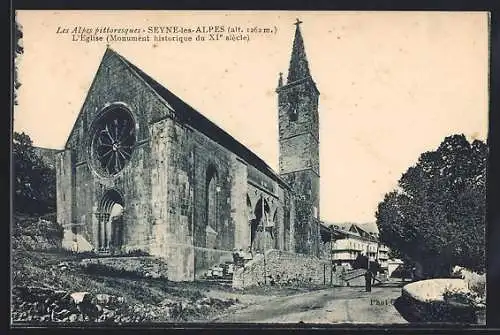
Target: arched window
[
  {"x": 212, "y": 197},
  {"x": 262, "y": 211},
  {"x": 249, "y": 209},
  {"x": 286, "y": 228},
  {"x": 275, "y": 231},
  {"x": 293, "y": 110}
]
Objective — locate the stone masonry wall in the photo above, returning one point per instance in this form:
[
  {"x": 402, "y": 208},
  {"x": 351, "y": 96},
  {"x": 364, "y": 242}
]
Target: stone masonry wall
[
  {"x": 209, "y": 155},
  {"x": 239, "y": 210},
  {"x": 63, "y": 187},
  {"x": 306, "y": 223},
  {"x": 171, "y": 201},
  {"x": 114, "y": 82},
  {"x": 282, "y": 268},
  {"x": 144, "y": 266},
  {"x": 299, "y": 138},
  {"x": 179, "y": 191},
  {"x": 305, "y": 98},
  {"x": 296, "y": 153}
]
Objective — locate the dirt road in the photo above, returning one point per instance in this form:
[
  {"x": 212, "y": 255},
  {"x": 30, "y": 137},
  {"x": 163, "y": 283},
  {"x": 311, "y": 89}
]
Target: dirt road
[{"x": 334, "y": 305}]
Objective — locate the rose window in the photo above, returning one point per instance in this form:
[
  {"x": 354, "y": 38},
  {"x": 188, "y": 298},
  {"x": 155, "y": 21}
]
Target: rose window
[{"x": 112, "y": 141}]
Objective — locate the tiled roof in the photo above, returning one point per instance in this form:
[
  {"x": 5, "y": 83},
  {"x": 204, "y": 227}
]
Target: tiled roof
[{"x": 369, "y": 227}]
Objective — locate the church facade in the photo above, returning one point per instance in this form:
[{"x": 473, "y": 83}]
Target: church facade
[{"x": 142, "y": 170}]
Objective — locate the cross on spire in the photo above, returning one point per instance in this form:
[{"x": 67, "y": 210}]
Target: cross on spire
[
  {"x": 280, "y": 80},
  {"x": 297, "y": 22}
]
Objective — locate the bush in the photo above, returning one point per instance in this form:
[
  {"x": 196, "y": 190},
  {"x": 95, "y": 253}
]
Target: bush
[
  {"x": 33, "y": 232},
  {"x": 467, "y": 298},
  {"x": 34, "y": 181}
]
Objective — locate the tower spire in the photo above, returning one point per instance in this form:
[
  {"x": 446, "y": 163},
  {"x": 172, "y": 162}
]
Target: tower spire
[
  {"x": 299, "y": 67},
  {"x": 299, "y": 146}
]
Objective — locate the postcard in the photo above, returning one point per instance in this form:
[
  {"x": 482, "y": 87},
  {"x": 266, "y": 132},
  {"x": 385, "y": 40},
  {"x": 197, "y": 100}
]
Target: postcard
[{"x": 249, "y": 167}]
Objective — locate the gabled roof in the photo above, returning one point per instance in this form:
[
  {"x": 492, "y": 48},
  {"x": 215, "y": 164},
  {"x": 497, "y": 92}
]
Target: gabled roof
[
  {"x": 364, "y": 230},
  {"x": 369, "y": 227},
  {"x": 341, "y": 225},
  {"x": 196, "y": 120}
]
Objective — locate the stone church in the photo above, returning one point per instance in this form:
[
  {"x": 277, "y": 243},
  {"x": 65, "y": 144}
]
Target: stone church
[{"x": 142, "y": 170}]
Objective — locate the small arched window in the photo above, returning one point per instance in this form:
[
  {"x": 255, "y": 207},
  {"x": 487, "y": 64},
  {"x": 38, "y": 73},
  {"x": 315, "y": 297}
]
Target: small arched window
[
  {"x": 293, "y": 113},
  {"x": 293, "y": 109},
  {"x": 249, "y": 209},
  {"x": 212, "y": 197},
  {"x": 275, "y": 230}
]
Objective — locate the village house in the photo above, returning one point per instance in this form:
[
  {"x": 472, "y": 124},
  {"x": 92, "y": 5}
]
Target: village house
[{"x": 351, "y": 240}]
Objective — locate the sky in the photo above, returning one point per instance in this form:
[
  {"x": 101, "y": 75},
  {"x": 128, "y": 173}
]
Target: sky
[{"x": 393, "y": 84}]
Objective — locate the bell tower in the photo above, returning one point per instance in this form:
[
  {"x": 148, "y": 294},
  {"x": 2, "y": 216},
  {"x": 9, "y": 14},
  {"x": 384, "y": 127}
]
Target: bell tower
[{"x": 299, "y": 144}]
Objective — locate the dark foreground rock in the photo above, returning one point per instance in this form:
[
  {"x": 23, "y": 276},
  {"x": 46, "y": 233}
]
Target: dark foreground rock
[
  {"x": 40, "y": 304},
  {"x": 441, "y": 300}
]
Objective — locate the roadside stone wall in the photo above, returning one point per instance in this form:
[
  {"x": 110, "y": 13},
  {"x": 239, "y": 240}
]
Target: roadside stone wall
[
  {"x": 278, "y": 267},
  {"x": 147, "y": 267}
]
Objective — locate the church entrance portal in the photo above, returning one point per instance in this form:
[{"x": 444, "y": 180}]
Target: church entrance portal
[
  {"x": 261, "y": 227},
  {"x": 110, "y": 222}
]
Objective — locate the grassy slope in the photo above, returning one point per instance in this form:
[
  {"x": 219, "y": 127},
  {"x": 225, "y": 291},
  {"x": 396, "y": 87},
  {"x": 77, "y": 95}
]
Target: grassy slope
[
  {"x": 41, "y": 269},
  {"x": 32, "y": 268}
]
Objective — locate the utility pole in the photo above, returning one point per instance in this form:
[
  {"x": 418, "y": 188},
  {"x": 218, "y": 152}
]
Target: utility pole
[
  {"x": 331, "y": 255},
  {"x": 378, "y": 250},
  {"x": 368, "y": 256}
]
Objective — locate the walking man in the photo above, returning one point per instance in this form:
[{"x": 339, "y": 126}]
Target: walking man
[{"x": 368, "y": 281}]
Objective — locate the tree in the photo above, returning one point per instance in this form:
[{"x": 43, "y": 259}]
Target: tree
[
  {"x": 436, "y": 216},
  {"x": 34, "y": 182},
  {"x": 395, "y": 254},
  {"x": 361, "y": 262},
  {"x": 19, "y": 50}
]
